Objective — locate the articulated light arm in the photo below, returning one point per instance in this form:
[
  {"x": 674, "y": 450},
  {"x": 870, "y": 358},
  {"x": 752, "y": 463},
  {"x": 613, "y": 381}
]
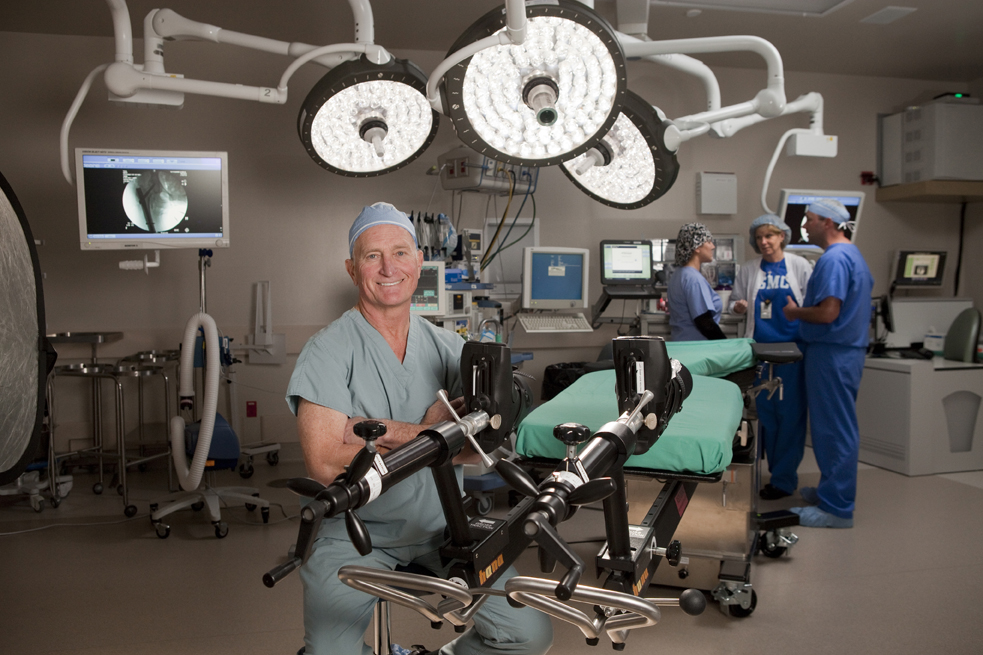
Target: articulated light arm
[
  {"x": 769, "y": 102},
  {"x": 513, "y": 34},
  {"x": 810, "y": 102},
  {"x": 685, "y": 64}
]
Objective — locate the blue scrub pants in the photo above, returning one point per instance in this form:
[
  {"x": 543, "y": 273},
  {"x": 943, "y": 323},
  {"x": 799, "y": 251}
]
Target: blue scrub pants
[
  {"x": 832, "y": 374},
  {"x": 337, "y": 616},
  {"x": 783, "y": 426}
]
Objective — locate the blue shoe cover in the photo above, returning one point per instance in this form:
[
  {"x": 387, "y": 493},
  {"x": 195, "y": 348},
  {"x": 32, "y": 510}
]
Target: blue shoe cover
[{"x": 813, "y": 517}]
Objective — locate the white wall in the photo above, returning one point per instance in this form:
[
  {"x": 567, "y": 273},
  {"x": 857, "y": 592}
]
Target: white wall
[{"x": 290, "y": 218}]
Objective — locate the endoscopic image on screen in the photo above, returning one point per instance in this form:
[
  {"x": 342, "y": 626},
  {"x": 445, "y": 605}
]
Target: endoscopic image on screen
[{"x": 153, "y": 201}]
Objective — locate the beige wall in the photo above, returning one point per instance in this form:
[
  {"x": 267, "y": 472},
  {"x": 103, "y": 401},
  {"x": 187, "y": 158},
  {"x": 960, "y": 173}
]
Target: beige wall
[{"x": 290, "y": 218}]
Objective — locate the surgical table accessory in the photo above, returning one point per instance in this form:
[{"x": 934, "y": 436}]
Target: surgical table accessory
[
  {"x": 479, "y": 549},
  {"x": 721, "y": 531}
]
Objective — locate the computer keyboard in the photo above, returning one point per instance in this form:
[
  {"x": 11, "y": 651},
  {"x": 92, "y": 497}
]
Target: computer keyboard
[{"x": 555, "y": 323}]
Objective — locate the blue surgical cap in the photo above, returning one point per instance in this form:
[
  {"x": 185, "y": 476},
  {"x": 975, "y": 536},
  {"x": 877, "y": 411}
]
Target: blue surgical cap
[
  {"x": 768, "y": 219},
  {"x": 831, "y": 209},
  {"x": 381, "y": 213}
]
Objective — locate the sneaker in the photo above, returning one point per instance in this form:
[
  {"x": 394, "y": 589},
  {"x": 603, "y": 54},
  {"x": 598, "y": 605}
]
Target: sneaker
[
  {"x": 810, "y": 495},
  {"x": 769, "y": 492},
  {"x": 813, "y": 517}
]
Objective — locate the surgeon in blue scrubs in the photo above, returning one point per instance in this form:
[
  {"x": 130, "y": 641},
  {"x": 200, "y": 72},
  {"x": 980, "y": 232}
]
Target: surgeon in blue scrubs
[
  {"x": 378, "y": 361},
  {"x": 835, "y": 318},
  {"x": 694, "y": 307},
  {"x": 760, "y": 290}
]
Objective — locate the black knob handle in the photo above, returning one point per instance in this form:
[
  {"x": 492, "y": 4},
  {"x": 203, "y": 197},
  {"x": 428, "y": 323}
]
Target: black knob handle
[
  {"x": 591, "y": 492},
  {"x": 564, "y": 590},
  {"x": 370, "y": 430},
  {"x": 516, "y": 478},
  {"x": 571, "y": 434},
  {"x": 280, "y": 572},
  {"x": 674, "y": 552},
  {"x": 693, "y": 602},
  {"x": 305, "y": 487},
  {"x": 360, "y": 466},
  {"x": 358, "y": 533}
]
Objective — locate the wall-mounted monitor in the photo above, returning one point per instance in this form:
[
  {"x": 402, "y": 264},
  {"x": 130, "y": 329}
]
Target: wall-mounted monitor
[
  {"x": 792, "y": 204},
  {"x": 915, "y": 269},
  {"x": 554, "y": 278},
  {"x": 152, "y": 199},
  {"x": 626, "y": 262},
  {"x": 430, "y": 297}
]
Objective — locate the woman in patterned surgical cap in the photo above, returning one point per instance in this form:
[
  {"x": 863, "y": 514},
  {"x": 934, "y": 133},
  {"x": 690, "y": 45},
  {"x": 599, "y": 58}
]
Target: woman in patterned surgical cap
[{"x": 694, "y": 307}]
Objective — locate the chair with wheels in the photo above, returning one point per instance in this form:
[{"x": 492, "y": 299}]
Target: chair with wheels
[{"x": 960, "y": 340}]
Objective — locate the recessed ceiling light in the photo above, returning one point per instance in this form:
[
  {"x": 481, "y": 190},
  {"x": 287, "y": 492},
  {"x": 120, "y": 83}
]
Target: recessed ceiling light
[
  {"x": 798, "y": 7},
  {"x": 887, "y": 15}
]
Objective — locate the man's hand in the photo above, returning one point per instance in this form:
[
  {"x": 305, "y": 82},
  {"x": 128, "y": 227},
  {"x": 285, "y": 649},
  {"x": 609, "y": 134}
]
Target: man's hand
[
  {"x": 789, "y": 309},
  {"x": 438, "y": 412},
  {"x": 740, "y": 306}
]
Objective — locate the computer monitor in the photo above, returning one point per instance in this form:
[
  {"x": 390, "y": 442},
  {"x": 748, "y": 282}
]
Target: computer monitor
[
  {"x": 626, "y": 263},
  {"x": 430, "y": 297},
  {"x": 554, "y": 278},
  {"x": 792, "y": 204},
  {"x": 919, "y": 268},
  {"x": 152, "y": 199}
]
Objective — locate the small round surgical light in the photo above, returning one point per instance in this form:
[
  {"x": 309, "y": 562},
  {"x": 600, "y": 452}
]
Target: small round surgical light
[
  {"x": 544, "y": 101},
  {"x": 363, "y": 119},
  {"x": 630, "y": 167}
]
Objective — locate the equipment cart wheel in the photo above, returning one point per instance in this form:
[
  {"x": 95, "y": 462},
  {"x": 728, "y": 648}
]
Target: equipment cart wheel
[
  {"x": 37, "y": 503},
  {"x": 55, "y": 502},
  {"x": 119, "y": 489},
  {"x": 97, "y": 488},
  {"x": 246, "y": 469},
  {"x": 770, "y": 549},
  {"x": 266, "y": 514},
  {"x": 130, "y": 511},
  {"x": 273, "y": 458},
  {"x": 485, "y": 505},
  {"x": 200, "y": 505},
  {"x": 739, "y": 612},
  {"x": 163, "y": 530},
  {"x": 221, "y": 529}
]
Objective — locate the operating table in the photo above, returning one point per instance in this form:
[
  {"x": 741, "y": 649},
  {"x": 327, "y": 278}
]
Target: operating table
[{"x": 650, "y": 388}]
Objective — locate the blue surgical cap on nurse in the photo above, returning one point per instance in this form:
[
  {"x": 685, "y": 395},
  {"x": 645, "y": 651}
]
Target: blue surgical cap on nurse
[
  {"x": 381, "y": 213},
  {"x": 768, "y": 219},
  {"x": 831, "y": 209}
]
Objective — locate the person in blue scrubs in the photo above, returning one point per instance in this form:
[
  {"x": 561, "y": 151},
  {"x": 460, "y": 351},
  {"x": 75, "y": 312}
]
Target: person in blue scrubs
[
  {"x": 760, "y": 291},
  {"x": 694, "y": 307},
  {"x": 835, "y": 318},
  {"x": 378, "y": 361}
]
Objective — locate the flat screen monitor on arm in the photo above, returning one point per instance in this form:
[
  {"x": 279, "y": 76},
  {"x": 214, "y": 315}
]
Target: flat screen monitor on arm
[
  {"x": 554, "y": 278},
  {"x": 792, "y": 204},
  {"x": 915, "y": 269},
  {"x": 152, "y": 199},
  {"x": 626, "y": 262}
]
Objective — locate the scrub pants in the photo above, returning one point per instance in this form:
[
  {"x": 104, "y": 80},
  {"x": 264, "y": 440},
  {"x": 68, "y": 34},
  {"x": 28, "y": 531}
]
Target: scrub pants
[
  {"x": 783, "y": 426},
  {"x": 337, "y": 616},
  {"x": 832, "y": 374}
]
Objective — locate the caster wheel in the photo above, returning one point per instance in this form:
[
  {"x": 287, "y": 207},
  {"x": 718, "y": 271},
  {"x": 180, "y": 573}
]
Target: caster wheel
[
  {"x": 221, "y": 529},
  {"x": 266, "y": 514},
  {"x": 773, "y": 551},
  {"x": 163, "y": 530},
  {"x": 37, "y": 503},
  {"x": 246, "y": 470},
  {"x": 273, "y": 458},
  {"x": 55, "y": 501},
  {"x": 250, "y": 508},
  {"x": 739, "y": 612},
  {"x": 130, "y": 511},
  {"x": 97, "y": 488},
  {"x": 198, "y": 506},
  {"x": 485, "y": 505},
  {"x": 119, "y": 489},
  {"x": 153, "y": 507}
]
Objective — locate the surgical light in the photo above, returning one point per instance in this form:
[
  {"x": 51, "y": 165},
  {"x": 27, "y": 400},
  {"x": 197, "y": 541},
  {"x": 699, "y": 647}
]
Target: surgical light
[
  {"x": 363, "y": 119},
  {"x": 545, "y": 100},
  {"x": 630, "y": 166}
]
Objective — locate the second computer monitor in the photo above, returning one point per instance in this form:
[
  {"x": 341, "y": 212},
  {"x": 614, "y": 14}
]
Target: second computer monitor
[
  {"x": 554, "y": 278},
  {"x": 919, "y": 268},
  {"x": 429, "y": 298},
  {"x": 626, "y": 262}
]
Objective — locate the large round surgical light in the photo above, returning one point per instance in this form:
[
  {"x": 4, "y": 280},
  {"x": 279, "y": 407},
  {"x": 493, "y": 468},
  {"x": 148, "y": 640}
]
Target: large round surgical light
[
  {"x": 363, "y": 119},
  {"x": 630, "y": 167},
  {"x": 544, "y": 101}
]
